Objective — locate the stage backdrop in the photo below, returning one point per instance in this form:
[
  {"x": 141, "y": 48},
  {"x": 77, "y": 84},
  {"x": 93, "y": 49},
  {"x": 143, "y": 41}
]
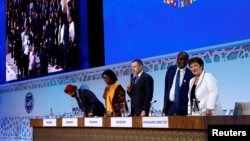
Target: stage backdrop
[
  {"x": 146, "y": 28},
  {"x": 37, "y": 98}
]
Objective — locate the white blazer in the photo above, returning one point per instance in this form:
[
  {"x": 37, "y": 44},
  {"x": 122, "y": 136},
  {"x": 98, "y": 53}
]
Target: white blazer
[{"x": 206, "y": 93}]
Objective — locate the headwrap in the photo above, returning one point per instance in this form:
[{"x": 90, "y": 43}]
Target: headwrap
[{"x": 70, "y": 88}]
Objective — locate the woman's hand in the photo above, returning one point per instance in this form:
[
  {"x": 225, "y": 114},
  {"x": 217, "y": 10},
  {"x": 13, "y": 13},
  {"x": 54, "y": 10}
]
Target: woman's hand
[{"x": 208, "y": 112}]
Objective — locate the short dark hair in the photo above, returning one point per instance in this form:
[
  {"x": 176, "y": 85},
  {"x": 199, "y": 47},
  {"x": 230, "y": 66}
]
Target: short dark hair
[
  {"x": 183, "y": 52},
  {"x": 139, "y": 61},
  {"x": 111, "y": 74},
  {"x": 196, "y": 60}
]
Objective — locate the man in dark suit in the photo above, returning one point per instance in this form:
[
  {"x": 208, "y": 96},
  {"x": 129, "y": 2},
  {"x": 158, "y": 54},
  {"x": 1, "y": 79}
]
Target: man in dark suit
[
  {"x": 177, "y": 104},
  {"x": 86, "y": 100},
  {"x": 140, "y": 90}
]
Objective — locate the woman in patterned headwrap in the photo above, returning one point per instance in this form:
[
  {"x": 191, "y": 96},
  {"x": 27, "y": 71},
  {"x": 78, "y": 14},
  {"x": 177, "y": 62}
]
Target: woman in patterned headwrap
[{"x": 114, "y": 95}]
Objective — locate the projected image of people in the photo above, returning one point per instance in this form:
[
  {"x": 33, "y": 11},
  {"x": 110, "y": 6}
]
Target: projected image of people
[{"x": 41, "y": 37}]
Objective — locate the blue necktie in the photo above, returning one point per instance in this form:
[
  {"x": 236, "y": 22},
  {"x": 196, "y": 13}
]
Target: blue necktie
[
  {"x": 136, "y": 79},
  {"x": 177, "y": 89}
]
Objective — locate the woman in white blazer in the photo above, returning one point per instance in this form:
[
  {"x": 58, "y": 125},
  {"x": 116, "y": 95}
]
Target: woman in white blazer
[{"x": 203, "y": 88}]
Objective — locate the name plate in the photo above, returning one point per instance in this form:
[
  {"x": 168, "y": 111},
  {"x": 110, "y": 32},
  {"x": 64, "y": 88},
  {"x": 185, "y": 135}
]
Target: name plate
[
  {"x": 121, "y": 122},
  {"x": 93, "y": 122},
  {"x": 49, "y": 122},
  {"x": 155, "y": 122},
  {"x": 70, "y": 122}
]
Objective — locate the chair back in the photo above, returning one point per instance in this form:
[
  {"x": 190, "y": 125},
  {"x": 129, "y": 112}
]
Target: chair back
[{"x": 242, "y": 108}]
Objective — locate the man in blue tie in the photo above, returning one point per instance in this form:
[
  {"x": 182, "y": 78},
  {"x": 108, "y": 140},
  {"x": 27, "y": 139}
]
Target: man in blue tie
[
  {"x": 176, "y": 87},
  {"x": 141, "y": 91}
]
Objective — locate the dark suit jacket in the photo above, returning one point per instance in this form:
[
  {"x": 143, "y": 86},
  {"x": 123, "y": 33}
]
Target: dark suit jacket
[
  {"x": 183, "y": 95},
  {"x": 90, "y": 103},
  {"x": 142, "y": 94}
]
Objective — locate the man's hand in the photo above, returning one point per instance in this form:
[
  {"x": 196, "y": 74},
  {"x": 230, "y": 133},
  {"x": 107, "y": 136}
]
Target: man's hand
[{"x": 143, "y": 113}]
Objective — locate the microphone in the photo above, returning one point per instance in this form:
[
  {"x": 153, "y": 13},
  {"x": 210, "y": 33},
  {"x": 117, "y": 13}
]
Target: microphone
[
  {"x": 132, "y": 81},
  {"x": 131, "y": 78},
  {"x": 152, "y": 109},
  {"x": 153, "y": 101},
  {"x": 126, "y": 101},
  {"x": 196, "y": 103}
]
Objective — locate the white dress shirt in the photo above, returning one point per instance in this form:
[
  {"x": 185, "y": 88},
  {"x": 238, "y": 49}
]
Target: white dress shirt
[{"x": 172, "y": 90}]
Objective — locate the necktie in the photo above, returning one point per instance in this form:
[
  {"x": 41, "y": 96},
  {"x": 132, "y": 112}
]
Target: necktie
[
  {"x": 136, "y": 79},
  {"x": 177, "y": 89}
]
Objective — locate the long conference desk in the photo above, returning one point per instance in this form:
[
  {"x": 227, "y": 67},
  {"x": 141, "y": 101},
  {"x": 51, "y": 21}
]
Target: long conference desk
[{"x": 171, "y": 128}]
